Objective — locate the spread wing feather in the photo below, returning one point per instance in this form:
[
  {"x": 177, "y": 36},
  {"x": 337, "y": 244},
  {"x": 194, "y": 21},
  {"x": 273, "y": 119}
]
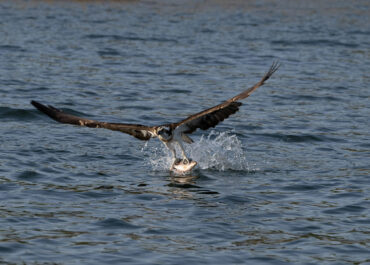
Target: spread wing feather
[
  {"x": 139, "y": 131},
  {"x": 202, "y": 120},
  {"x": 212, "y": 116}
]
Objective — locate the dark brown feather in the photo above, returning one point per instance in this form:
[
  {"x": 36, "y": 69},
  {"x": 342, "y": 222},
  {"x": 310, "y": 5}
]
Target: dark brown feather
[
  {"x": 202, "y": 120},
  {"x": 139, "y": 131},
  {"x": 212, "y": 116},
  {"x": 209, "y": 120}
]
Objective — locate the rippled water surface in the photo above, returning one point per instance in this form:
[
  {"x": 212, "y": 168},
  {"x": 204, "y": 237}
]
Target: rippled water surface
[{"x": 285, "y": 180}]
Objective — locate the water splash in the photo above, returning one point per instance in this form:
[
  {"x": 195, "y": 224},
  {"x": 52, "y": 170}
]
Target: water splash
[{"x": 218, "y": 151}]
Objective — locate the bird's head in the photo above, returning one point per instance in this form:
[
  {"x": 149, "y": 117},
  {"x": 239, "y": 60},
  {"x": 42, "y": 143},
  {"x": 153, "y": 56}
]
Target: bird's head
[{"x": 164, "y": 133}]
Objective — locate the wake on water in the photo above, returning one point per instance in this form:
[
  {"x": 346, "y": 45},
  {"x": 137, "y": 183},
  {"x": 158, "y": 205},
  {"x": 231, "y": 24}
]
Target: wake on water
[{"x": 218, "y": 151}]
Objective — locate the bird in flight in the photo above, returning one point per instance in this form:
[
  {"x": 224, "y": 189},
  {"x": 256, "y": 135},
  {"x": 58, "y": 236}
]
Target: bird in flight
[{"x": 171, "y": 133}]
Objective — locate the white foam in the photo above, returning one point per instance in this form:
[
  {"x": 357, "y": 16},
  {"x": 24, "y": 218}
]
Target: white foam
[{"x": 218, "y": 151}]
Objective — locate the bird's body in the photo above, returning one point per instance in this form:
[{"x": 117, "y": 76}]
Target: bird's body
[{"x": 171, "y": 134}]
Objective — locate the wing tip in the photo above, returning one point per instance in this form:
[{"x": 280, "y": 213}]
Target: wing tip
[
  {"x": 35, "y": 103},
  {"x": 38, "y": 105},
  {"x": 273, "y": 68},
  {"x": 48, "y": 110}
]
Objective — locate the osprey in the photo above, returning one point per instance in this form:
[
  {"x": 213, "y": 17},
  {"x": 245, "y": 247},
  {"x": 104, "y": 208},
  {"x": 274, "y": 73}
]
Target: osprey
[{"x": 172, "y": 133}]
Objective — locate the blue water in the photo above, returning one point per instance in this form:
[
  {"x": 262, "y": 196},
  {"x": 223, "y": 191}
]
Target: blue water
[{"x": 283, "y": 181}]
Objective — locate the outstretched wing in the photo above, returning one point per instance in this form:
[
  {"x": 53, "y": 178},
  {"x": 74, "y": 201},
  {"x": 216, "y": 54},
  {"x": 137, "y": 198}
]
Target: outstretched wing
[
  {"x": 139, "y": 131},
  {"x": 212, "y": 116}
]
